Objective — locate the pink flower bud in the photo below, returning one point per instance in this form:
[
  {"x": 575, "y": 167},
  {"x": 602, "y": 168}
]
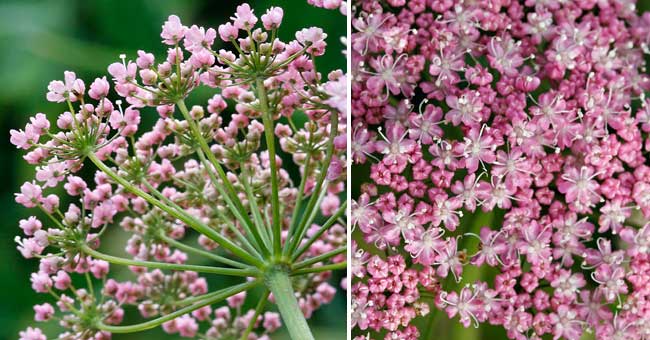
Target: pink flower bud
[
  {"x": 43, "y": 312},
  {"x": 121, "y": 73},
  {"x": 271, "y": 321},
  {"x": 50, "y": 203},
  {"x": 30, "y": 195},
  {"x": 30, "y": 225},
  {"x": 187, "y": 326},
  {"x": 237, "y": 300},
  {"x": 314, "y": 37},
  {"x": 144, "y": 60},
  {"x": 99, "y": 268},
  {"x": 32, "y": 334},
  {"x": 202, "y": 314},
  {"x": 41, "y": 282},
  {"x": 273, "y": 18},
  {"x": 149, "y": 77},
  {"x": 62, "y": 280},
  {"x": 40, "y": 123},
  {"x": 99, "y": 88},
  {"x": 244, "y": 17},
  {"x": 227, "y": 32},
  {"x": 172, "y": 30}
]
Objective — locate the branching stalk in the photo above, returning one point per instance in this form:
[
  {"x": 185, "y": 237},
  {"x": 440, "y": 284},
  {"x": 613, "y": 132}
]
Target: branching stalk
[
  {"x": 320, "y": 269},
  {"x": 295, "y": 238},
  {"x": 200, "y": 252},
  {"x": 320, "y": 258},
  {"x": 181, "y": 215},
  {"x": 170, "y": 266},
  {"x": 325, "y": 227},
  {"x": 219, "y": 296},
  {"x": 229, "y": 194}
]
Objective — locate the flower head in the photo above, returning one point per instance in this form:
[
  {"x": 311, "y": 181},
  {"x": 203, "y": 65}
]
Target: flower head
[{"x": 203, "y": 190}]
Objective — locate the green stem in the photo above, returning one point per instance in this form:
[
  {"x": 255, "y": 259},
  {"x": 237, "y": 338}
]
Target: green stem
[
  {"x": 471, "y": 274},
  {"x": 189, "y": 249},
  {"x": 319, "y": 258},
  {"x": 267, "y": 119},
  {"x": 255, "y": 240},
  {"x": 257, "y": 217},
  {"x": 308, "y": 220},
  {"x": 169, "y": 266},
  {"x": 229, "y": 195},
  {"x": 320, "y": 269},
  {"x": 89, "y": 283},
  {"x": 431, "y": 321},
  {"x": 329, "y": 223},
  {"x": 227, "y": 221},
  {"x": 279, "y": 283},
  {"x": 301, "y": 191},
  {"x": 181, "y": 215},
  {"x": 244, "y": 241},
  {"x": 311, "y": 205},
  {"x": 274, "y": 68},
  {"x": 219, "y": 296},
  {"x": 54, "y": 220},
  {"x": 233, "y": 228}
]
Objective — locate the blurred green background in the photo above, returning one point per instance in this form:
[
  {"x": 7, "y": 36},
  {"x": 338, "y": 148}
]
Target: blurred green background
[{"x": 41, "y": 39}]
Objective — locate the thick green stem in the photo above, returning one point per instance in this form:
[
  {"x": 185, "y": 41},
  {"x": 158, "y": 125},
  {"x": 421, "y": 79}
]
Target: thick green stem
[
  {"x": 181, "y": 215},
  {"x": 219, "y": 296},
  {"x": 169, "y": 266},
  {"x": 269, "y": 131},
  {"x": 279, "y": 283}
]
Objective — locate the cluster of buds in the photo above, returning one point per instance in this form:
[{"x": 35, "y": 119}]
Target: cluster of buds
[
  {"x": 508, "y": 154},
  {"x": 341, "y": 5},
  {"x": 199, "y": 174}
]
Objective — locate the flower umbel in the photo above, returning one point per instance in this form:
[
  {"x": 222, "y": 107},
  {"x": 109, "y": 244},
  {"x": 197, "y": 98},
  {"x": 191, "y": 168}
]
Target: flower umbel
[{"x": 207, "y": 182}]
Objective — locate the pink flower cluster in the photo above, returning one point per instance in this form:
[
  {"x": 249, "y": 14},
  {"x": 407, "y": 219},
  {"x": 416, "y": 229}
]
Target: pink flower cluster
[
  {"x": 341, "y": 5},
  {"x": 529, "y": 114}
]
